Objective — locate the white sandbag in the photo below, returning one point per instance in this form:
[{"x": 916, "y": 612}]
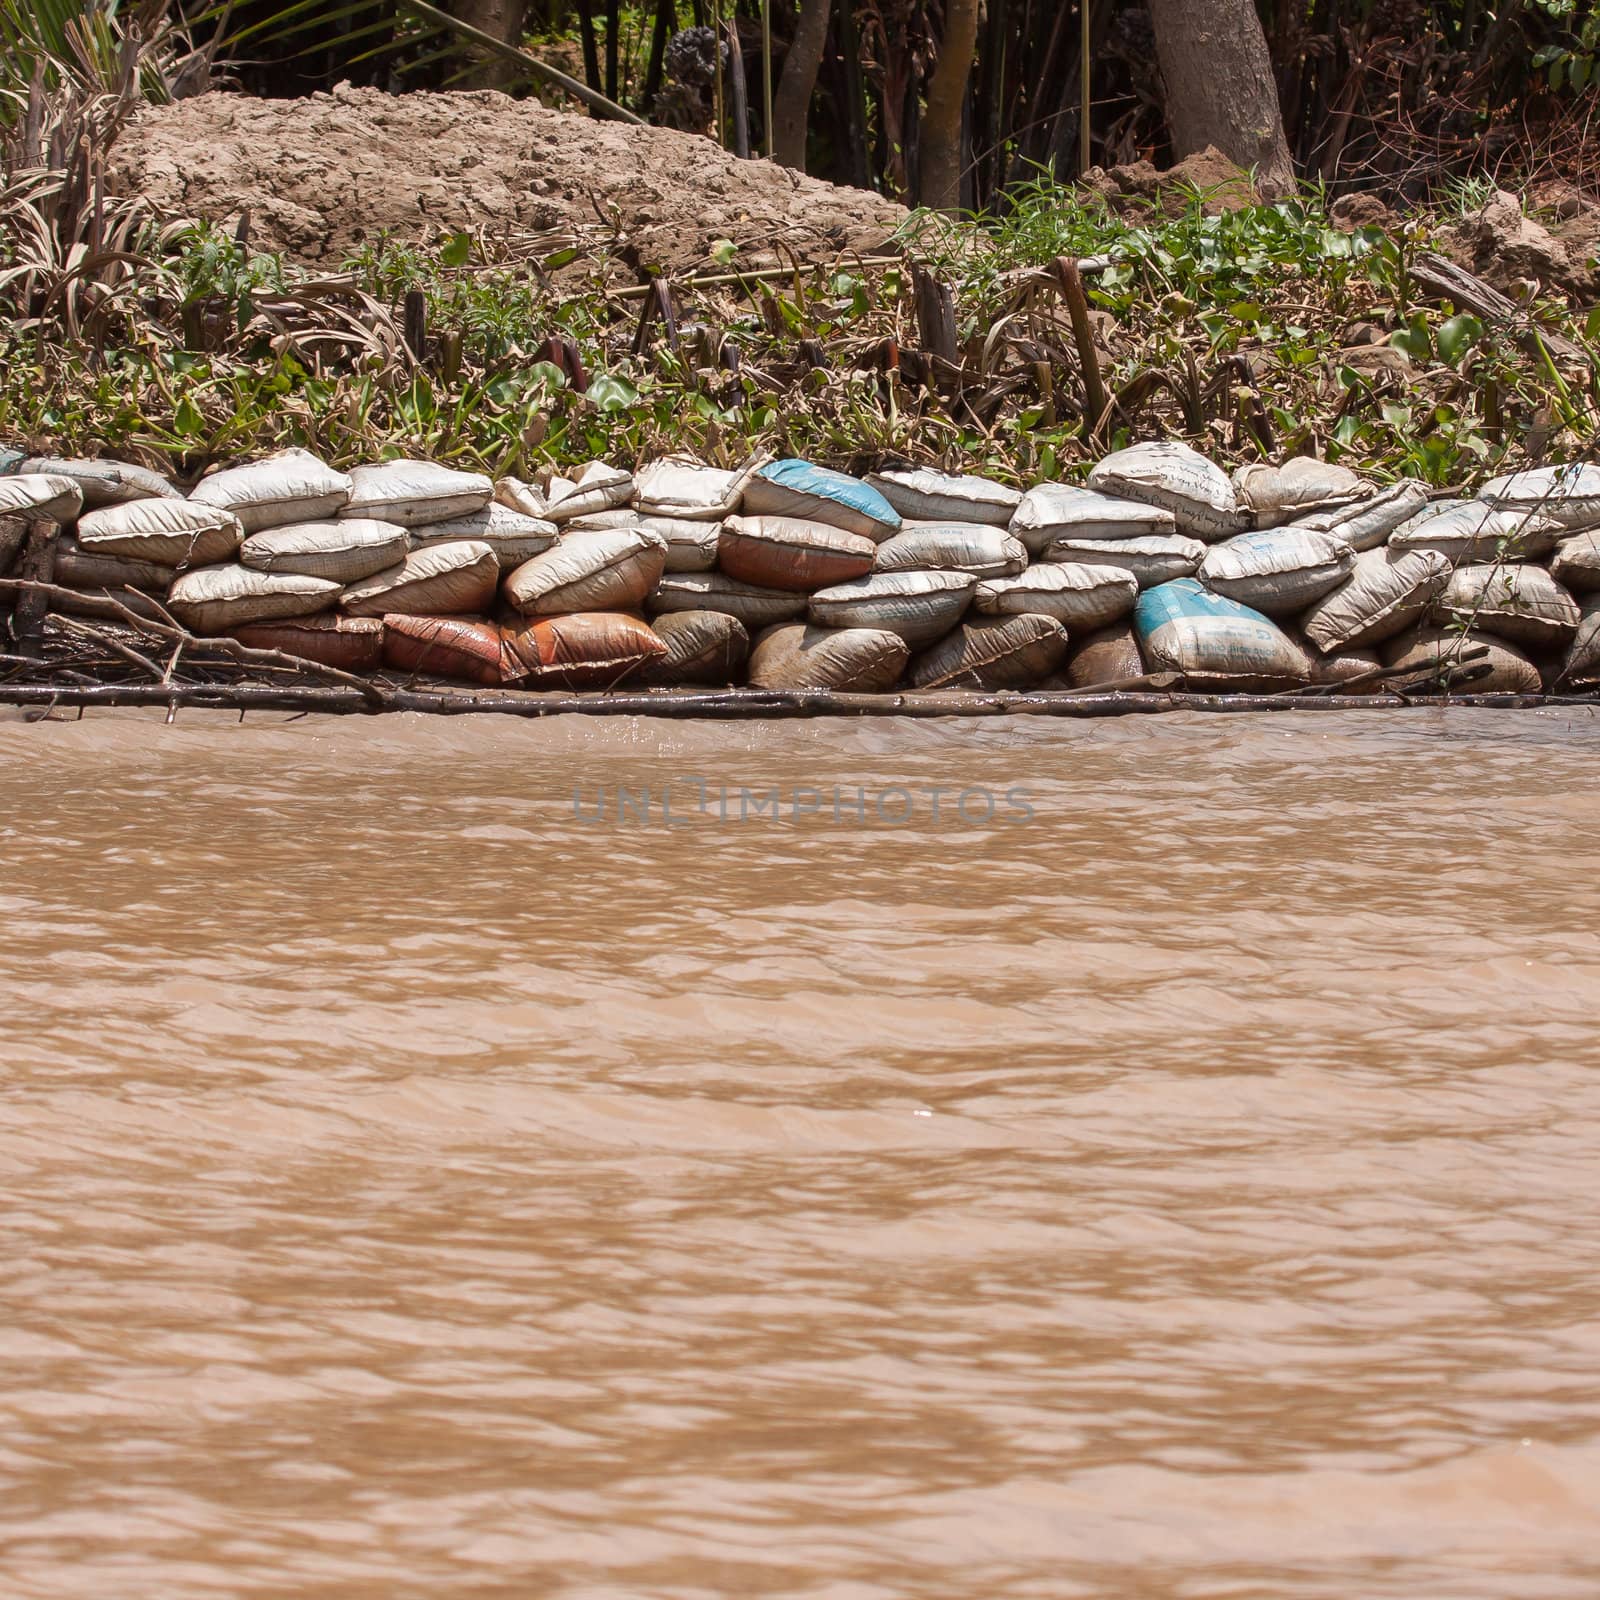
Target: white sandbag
[
  {"x": 1169, "y": 474},
  {"x": 1368, "y": 523},
  {"x": 46, "y": 497},
  {"x": 513, "y": 537},
  {"x": 690, "y": 490},
  {"x": 1521, "y": 603},
  {"x": 1386, "y": 592},
  {"x": 1343, "y": 666},
  {"x": 444, "y": 580},
  {"x": 1439, "y": 651},
  {"x": 1052, "y": 511},
  {"x": 800, "y": 655},
  {"x": 982, "y": 550},
  {"x": 210, "y": 600},
  {"x": 925, "y": 494},
  {"x": 611, "y": 570},
  {"x": 105, "y": 483},
  {"x": 1083, "y": 597},
  {"x": 1567, "y": 495},
  {"x": 992, "y": 653},
  {"x": 707, "y": 648},
  {"x": 1278, "y": 571},
  {"x": 793, "y": 488},
  {"x": 1472, "y": 531},
  {"x": 1215, "y": 642},
  {"x": 1576, "y": 563},
  {"x": 598, "y": 487},
  {"x": 515, "y": 495},
  {"x": 414, "y": 493},
  {"x": 346, "y": 549},
  {"x": 172, "y": 533},
  {"x": 1276, "y": 495},
  {"x": 754, "y": 605},
  {"x": 691, "y": 546},
  {"x": 1159, "y": 558},
  {"x": 77, "y": 568},
  {"x": 291, "y": 486},
  {"x": 919, "y": 606},
  {"x": 1580, "y": 667}
]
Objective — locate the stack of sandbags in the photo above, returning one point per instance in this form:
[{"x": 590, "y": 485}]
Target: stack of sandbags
[{"x": 788, "y": 575}]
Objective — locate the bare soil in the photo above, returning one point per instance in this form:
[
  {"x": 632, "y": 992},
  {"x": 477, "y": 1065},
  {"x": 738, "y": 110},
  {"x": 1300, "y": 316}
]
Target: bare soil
[{"x": 320, "y": 175}]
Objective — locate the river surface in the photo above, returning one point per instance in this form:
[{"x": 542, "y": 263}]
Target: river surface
[{"x": 1178, "y": 1180}]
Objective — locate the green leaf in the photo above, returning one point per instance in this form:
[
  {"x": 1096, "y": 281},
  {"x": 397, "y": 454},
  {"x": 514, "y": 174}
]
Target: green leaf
[
  {"x": 1457, "y": 336},
  {"x": 561, "y": 258},
  {"x": 723, "y": 251},
  {"x": 456, "y": 249},
  {"x": 611, "y": 393},
  {"x": 187, "y": 420},
  {"x": 1414, "y": 339}
]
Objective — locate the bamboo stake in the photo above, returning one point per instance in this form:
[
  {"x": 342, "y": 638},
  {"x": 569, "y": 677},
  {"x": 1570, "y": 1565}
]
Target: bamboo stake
[{"x": 1083, "y": 113}]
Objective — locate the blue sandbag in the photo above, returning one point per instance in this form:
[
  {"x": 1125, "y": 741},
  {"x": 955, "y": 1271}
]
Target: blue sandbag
[
  {"x": 795, "y": 488},
  {"x": 1213, "y": 641}
]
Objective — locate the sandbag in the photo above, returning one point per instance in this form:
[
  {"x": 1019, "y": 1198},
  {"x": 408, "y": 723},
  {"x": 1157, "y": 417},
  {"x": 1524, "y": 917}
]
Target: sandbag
[
  {"x": 214, "y": 599},
  {"x": 77, "y": 568},
  {"x": 445, "y": 580},
  {"x": 688, "y": 490},
  {"x": 1387, "y": 590},
  {"x": 41, "y": 496},
  {"x": 172, "y": 533},
  {"x": 108, "y": 602},
  {"x": 1302, "y": 485},
  {"x": 594, "y": 650},
  {"x": 611, "y": 570},
  {"x": 598, "y": 487},
  {"x": 445, "y": 647},
  {"x": 513, "y": 537},
  {"x": 415, "y": 493},
  {"x": 788, "y": 553},
  {"x": 702, "y": 648},
  {"x": 105, "y": 483},
  {"x": 1580, "y": 666},
  {"x": 290, "y": 486},
  {"x": 1157, "y": 558},
  {"x": 1169, "y": 474},
  {"x": 918, "y": 606},
  {"x": 992, "y": 653},
  {"x": 1277, "y": 572},
  {"x": 346, "y": 549},
  {"x": 985, "y": 552},
  {"x": 1520, "y": 603},
  {"x": 754, "y": 605},
  {"x": 1108, "y": 655},
  {"x": 1083, "y": 597},
  {"x": 1215, "y": 642},
  {"x": 1470, "y": 531},
  {"x": 1368, "y": 523},
  {"x": 691, "y": 546},
  {"x": 527, "y": 499},
  {"x": 799, "y": 655},
  {"x": 1438, "y": 650},
  {"x": 1576, "y": 563},
  {"x": 1343, "y": 665},
  {"x": 13, "y": 535},
  {"x": 1566, "y": 495},
  {"x": 1054, "y": 511},
  {"x": 794, "y": 488},
  {"x": 928, "y": 495},
  {"x": 599, "y": 521},
  {"x": 352, "y": 644}
]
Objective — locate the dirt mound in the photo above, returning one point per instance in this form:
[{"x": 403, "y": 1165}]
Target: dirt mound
[
  {"x": 319, "y": 175},
  {"x": 1132, "y": 190}
]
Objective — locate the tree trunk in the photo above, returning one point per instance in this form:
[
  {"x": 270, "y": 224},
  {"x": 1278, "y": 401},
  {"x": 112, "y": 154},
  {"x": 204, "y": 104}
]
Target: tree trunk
[
  {"x": 947, "y": 92},
  {"x": 1219, "y": 86},
  {"x": 502, "y": 18},
  {"x": 791, "y": 100}
]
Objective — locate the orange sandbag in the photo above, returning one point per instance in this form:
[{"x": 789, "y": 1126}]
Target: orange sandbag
[
  {"x": 352, "y": 644},
  {"x": 791, "y": 553},
  {"x": 583, "y": 650},
  {"x": 444, "y": 647}
]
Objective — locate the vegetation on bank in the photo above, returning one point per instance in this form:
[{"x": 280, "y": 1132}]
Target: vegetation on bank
[{"x": 1261, "y": 331}]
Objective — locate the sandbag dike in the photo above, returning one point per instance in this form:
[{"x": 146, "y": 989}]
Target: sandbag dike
[
  {"x": 787, "y": 588},
  {"x": 318, "y": 176}
]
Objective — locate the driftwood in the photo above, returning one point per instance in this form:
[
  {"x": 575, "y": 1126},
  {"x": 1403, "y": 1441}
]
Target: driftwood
[
  {"x": 728, "y": 704},
  {"x": 1446, "y": 281},
  {"x": 36, "y": 570}
]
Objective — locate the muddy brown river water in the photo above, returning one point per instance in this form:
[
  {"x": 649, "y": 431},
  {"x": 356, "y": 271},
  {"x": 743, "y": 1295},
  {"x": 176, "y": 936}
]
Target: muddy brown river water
[{"x": 411, "y": 1186}]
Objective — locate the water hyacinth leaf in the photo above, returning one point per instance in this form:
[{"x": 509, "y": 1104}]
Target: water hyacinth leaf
[
  {"x": 456, "y": 249},
  {"x": 611, "y": 393},
  {"x": 1457, "y": 336}
]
